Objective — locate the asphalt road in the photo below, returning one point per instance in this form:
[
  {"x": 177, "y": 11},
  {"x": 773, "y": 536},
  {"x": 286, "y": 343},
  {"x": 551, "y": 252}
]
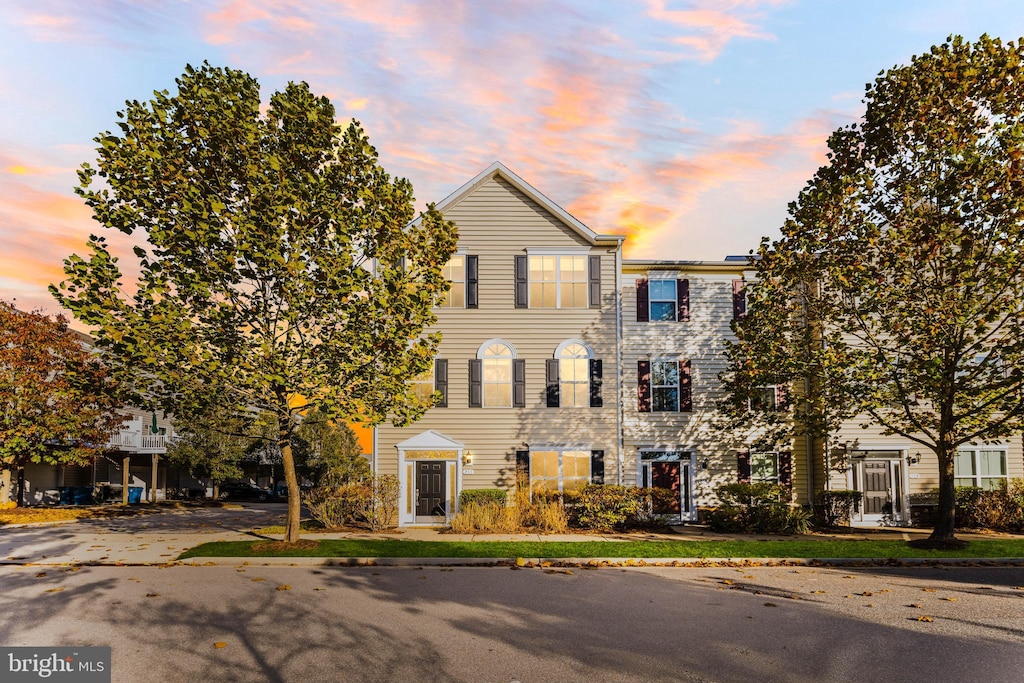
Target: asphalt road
[{"x": 499, "y": 624}]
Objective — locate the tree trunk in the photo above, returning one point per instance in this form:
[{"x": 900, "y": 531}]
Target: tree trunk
[
  {"x": 294, "y": 501},
  {"x": 945, "y": 517},
  {"x": 21, "y": 487},
  {"x": 5, "y": 485}
]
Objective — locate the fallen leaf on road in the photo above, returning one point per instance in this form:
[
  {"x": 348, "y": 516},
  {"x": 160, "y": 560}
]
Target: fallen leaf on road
[
  {"x": 257, "y": 578},
  {"x": 53, "y": 590},
  {"x": 770, "y": 604},
  {"x": 816, "y": 592},
  {"x": 727, "y": 582},
  {"x": 866, "y": 594},
  {"x": 930, "y": 590},
  {"x": 948, "y": 599},
  {"x": 284, "y": 587},
  {"x": 219, "y": 644},
  {"x": 914, "y": 605},
  {"x": 924, "y": 618},
  {"x": 40, "y": 575},
  {"x": 152, "y": 595}
]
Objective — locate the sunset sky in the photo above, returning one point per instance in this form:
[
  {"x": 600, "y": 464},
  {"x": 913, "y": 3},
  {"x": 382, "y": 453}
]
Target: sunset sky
[{"x": 687, "y": 124}]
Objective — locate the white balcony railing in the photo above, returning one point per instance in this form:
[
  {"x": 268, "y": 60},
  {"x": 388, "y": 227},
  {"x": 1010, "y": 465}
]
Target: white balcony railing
[{"x": 138, "y": 440}]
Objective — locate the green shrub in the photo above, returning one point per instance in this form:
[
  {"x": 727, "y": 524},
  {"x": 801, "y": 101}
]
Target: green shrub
[
  {"x": 760, "y": 508},
  {"x": 835, "y": 507},
  {"x": 606, "y": 506},
  {"x": 497, "y": 496},
  {"x": 1000, "y": 509}
]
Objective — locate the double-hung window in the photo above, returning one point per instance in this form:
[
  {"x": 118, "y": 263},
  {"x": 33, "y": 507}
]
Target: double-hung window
[
  {"x": 764, "y": 467},
  {"x": 558, "y": 281},
  {"x": 765, "y": 399},
  {"x": 664, "y": 386},
  {"x": 981, "y": 467},
  {"x": 559, "y": 470},
  {"x": 455, "y": 272},
  {"x": 662, "y": 298}
]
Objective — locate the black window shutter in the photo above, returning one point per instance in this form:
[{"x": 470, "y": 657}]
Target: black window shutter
[
  {"x": 552, "y": 383},
  {"x": 643, "y": 387},
  {"x": 522, "y": 282},
  {"x": 596, "y": 400},
  {"x": 476, "y": 383},
  {"x": 743, "y": 467},
  {"x": 595, "y": 281},
  {"x": 685, "y": 387},
  {"x": 518, "y": 383},
  {"x": 441, "y": 380},
  {"x": 596, "y": 467},
  {"x": 643, "y": 302},
  {"x": 472, "y": 281},
  {"x": 523, "y": 467},
  {"x": 786, "y": 468},
  {"x": 739, "y": 300},
  {"x": 683, "y": 301}
]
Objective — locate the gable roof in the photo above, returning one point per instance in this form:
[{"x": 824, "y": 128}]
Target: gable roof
[
  {"x": 429, "y": 441},
  {"x": 499, "y": 169}
]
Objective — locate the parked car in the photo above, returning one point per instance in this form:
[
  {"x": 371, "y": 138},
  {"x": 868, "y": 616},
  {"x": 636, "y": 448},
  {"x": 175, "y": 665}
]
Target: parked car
[{"x": 246, "y": 492}]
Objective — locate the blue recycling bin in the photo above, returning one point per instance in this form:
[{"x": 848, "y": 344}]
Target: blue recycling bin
[
  {"x": 134, "y": 494},
  {"x": 83, "y": 495},
  {"x": 67, "y": 495}
]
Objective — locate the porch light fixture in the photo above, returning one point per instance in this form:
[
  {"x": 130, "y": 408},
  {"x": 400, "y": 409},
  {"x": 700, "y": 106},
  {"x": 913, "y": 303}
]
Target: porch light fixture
[
  {"x": 704, "y": 463},
  {"x": 467, "y": 458},
  {"x": 914, "y": 459}
]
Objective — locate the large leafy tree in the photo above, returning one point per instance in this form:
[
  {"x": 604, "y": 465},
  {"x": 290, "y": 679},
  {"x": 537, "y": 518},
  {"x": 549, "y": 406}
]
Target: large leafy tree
[
  {"x": 329, "y": 452},
  {"x": 58, "y": 402},
  {"x": 897, "y": 288},
  {"x": 281, "y": 269}
]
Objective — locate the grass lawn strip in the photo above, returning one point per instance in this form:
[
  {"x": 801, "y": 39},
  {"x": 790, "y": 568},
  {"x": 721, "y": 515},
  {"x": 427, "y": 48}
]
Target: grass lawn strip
[{"x": 625, "y": 549}]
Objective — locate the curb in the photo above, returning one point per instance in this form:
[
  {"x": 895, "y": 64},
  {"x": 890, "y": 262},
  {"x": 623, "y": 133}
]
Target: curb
[{"x": 596, "y": 562}]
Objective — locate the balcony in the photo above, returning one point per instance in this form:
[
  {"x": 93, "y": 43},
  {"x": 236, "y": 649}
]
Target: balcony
[{"x": 135, "y": 437}]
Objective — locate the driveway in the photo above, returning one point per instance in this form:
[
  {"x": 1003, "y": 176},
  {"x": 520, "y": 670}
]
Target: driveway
[{"x": 153, "y": 538}]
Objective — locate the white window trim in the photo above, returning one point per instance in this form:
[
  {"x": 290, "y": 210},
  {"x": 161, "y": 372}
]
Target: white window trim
[
  {"x": 561, "y": 472},
  {"x": 775, "y": 398},
  {"x": 772, "y": 480},
  {"x": 979, "y": 477},
  {"x": 557, "y": 251},
  {"x": 557, "y": 282},
  {"x": 651, "y": 300},
  {"x": 653, "y": 385},
  {"x": 463, "y": 253},
  {"x": 511, "y": 374}
]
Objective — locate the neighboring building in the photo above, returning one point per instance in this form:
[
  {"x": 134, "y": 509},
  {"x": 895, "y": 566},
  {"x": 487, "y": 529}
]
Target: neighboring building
[{"x": 137, "y": 446}]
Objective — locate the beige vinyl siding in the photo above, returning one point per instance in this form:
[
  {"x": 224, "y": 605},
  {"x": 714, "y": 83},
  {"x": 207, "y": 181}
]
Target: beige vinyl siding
[
  {"x": 923, "y": 477},
  {"x": 496, "y": 222},
  {"x": 701, "y": 342}
]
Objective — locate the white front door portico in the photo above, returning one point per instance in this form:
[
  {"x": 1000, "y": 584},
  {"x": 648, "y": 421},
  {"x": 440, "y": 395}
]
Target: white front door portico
[{"x": 429, "y": 477}]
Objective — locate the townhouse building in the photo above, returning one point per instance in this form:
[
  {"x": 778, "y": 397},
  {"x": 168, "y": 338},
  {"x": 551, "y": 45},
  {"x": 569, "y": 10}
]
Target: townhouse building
[{"x": 562, "y": 363}]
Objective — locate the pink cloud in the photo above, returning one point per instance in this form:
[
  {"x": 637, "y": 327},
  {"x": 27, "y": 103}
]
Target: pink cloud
[{"x": 708, "y": 26}]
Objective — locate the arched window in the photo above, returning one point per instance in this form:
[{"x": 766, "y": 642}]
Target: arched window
[
  {"x": 574, "y": 373},
  {"x": 497, "y": 356}
]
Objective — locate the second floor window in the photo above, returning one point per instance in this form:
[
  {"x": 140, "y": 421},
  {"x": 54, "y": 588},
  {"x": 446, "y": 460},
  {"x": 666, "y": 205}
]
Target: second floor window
[
  {"x": 558, "y": 281},
  {"x": 497, "y": 366},
  {"x": 455, "y": 272}
]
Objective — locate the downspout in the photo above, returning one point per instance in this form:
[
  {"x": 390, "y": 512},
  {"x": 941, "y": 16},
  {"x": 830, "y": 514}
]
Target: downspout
[{"x": 620, "y": 417}]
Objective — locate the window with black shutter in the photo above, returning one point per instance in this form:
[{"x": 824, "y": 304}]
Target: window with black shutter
[
  {"x": 552, "y": 378},
  {"x": 643, "y": 387},
  {"x": 596, "y": 399},
  {"x": 739, "y": 299},
  {"x": 441, "y": 380},
  {"x": 594, "y": 281},
  {"x": 522, "y": 295},
  {"x": 472, "y": 282},
  {"x": 518, "y": 383},
  {"x": 743, "y": 467},
  {"x": 596, "y": 467}
]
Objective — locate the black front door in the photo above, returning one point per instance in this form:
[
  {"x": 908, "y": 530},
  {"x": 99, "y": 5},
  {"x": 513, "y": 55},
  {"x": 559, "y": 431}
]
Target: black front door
[
  {"x": 876, "y": 487},
  {"x": 430, "y": 488}
]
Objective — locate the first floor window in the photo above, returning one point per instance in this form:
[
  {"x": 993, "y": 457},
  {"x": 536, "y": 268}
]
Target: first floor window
[
  {"x": 764, "y": 467},
  {"x": 981, "y": 467},
  {"x": 559, "y": 470}
]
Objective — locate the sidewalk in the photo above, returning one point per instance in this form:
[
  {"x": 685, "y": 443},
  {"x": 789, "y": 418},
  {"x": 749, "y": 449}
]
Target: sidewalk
[{"x": 161, "y": 537}]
